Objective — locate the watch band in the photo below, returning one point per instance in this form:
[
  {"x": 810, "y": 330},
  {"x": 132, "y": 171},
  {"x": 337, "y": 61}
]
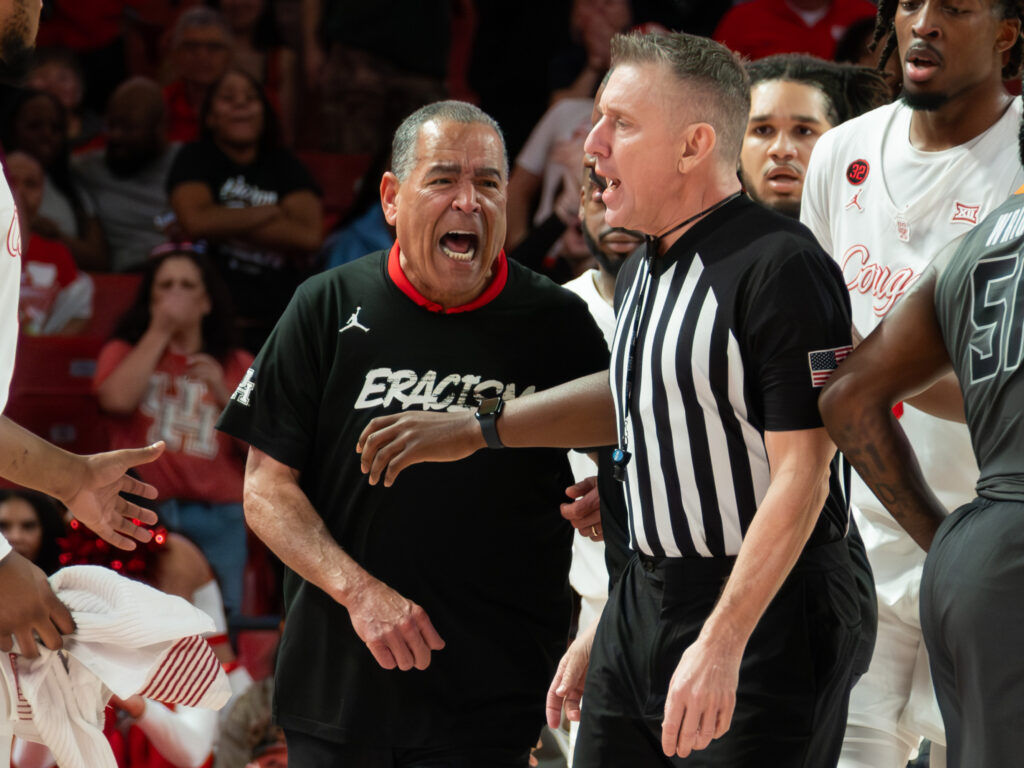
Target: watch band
[{"x": 487, "y": 415}]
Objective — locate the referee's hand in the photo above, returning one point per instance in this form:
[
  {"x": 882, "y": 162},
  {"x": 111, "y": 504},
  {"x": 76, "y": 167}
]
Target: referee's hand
[{"x": 701, "y": 697}]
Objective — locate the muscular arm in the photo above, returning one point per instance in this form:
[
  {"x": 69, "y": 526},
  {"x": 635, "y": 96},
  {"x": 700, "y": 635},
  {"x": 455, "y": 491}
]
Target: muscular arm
[
  {"x": 577, "y": 414},
  {"x": 396, "y": 630},
  {"x": 702, "y": 693},
  {"x": 902, "y": 357}
]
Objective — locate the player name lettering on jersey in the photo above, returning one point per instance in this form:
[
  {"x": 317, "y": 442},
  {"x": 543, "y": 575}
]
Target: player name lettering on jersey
[
  {"x": 868, "y": 277},
  {"x": 454, "y": 392},
  {"x": 1008, "y": 226}
]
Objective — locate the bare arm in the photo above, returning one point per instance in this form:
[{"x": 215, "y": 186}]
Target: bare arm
[
  {"x": 90, "y": 486},
  {"x": 202, "y": 216},
  {"x": 903, "y": 356},
  {"x": 299, "y": 228},
  {"x": 702, "y": 693},
  {"x": 577, "y": 414},
  {"x": 396, "y": 630},
  {"x": 123, "y": 390}
]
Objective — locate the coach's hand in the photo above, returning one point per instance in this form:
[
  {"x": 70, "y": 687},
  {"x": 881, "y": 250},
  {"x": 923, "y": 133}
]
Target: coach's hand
[
  {"x": 397, "y": 631},
  {"x": 389, "y": 444},
  {"x": 566, "y": 690},
  {"x": 584, "y": 512},
  {"x": 701, "y": 696}
]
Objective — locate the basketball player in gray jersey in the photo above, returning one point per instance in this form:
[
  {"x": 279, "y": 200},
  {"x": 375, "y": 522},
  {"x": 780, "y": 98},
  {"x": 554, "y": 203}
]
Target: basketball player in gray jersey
[{"x": 966, "y": 314}]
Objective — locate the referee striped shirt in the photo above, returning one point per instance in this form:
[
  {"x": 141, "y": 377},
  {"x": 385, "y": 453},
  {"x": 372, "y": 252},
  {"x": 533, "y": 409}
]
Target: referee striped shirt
[{"x": 726, "y": 333}]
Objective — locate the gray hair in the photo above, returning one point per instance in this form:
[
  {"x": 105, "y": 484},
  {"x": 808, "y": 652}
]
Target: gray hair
[
  {"x": 403, "y": 147},
  {"x": 199, "y": 16},
  {"x": 719, "y": 86}
]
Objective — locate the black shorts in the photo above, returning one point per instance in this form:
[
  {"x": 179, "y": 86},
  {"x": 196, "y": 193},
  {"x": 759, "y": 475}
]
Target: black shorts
[
  {"x": 794, "y": 678},
  {"x": 972, "y": 617},
  {"x": 308, "y": 751}
]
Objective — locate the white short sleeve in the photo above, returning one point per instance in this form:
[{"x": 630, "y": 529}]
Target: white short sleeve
[{"x": 10, "y": 284}]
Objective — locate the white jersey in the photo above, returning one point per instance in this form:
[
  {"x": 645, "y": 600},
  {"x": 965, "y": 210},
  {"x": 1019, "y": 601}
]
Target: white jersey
[
  {"x": 883, "y": 246},
  {"x": 588, "y": 574},
  {"x": 10, "y": 284}
]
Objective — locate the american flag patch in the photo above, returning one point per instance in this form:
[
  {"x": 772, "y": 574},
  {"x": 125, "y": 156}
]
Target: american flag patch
[{"x": 824, "y": 361}]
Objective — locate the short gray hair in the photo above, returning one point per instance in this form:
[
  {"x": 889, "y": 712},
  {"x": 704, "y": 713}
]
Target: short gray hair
[
  {"x": 199, "y": 16},
  {"x": 403, "y": 147},
  {"x": 722, "y": 97}
]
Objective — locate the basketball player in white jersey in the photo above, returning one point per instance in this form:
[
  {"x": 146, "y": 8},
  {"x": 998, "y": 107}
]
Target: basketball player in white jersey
[
  {"x": 883, "y": 194},
  {"x": 89, "y": 485}
]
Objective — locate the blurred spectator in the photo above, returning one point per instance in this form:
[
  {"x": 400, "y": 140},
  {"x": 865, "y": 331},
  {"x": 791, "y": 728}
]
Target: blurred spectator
[
  {"x": 36, "y": 124},
  {"x": 760, "y": 28},
  {"x": 32, "y": 523},
  {"x": 58, "y": 71},
  {"x": 855, "y": 47},
  {"x": 55, "y": 298},
  {"x": 260, "y": 51},
  {"x": 200, "y": 55},
  {"x": 547, "y": 164},
  {"x": 128, "y": 178},
  {"x": 251, "y": 200},
  {"x": 578, "y": 71},
  {"x": 373, "y": 64},
  {"x": 166, "y": 375},
  {"x": 93, "y": 30},
  {"x": 249, "y": 735}
]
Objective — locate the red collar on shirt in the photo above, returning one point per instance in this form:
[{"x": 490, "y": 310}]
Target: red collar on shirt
[{"x": 490, "y": 293}]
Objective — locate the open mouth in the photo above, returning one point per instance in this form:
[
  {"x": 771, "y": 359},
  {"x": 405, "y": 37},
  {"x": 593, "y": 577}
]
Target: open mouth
[
  {"x": 459, "y": 245},
  {"x": 921, "y": 61},
  {"x": 782, "y": 174}
]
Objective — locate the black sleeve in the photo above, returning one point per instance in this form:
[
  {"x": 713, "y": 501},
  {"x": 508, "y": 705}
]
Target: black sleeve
[
  {"x": 189, "y": 165},
  {"x": 534, "y": 247},
  {"x": 275, "y": 408},
  {"x": 794, "y": 327}
]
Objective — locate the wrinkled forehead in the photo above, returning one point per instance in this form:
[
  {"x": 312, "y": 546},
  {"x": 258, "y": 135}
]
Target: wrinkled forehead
[{"x": 466, "y": 147}]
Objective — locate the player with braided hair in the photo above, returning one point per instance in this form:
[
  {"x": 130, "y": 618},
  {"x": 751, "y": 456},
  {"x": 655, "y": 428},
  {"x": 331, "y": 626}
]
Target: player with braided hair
[
  {"x": 794, "y": 99},
  {"x": 883, "y": 194}
]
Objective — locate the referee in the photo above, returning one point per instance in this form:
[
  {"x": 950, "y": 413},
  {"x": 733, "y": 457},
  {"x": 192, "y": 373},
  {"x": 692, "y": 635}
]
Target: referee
[{"x": 729, "y": 639}]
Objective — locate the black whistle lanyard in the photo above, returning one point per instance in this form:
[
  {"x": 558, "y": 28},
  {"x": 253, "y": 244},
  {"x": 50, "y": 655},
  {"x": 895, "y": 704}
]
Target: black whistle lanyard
[{"x": 621, "y": 454}]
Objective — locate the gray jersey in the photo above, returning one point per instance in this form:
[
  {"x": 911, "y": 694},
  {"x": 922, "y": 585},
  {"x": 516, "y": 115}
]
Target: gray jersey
[{"x": 979, "y": 300}]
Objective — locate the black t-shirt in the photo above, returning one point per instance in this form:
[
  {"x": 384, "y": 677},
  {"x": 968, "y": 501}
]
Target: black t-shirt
[
  {"x": 261, "y": 280},
  {"x": 478, "y": 543},
  {"x": 745, "y": 317}
]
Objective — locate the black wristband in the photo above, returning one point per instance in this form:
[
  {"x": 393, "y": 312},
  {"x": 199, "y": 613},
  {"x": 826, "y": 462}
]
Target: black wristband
[{"x": 487, "y": 415}]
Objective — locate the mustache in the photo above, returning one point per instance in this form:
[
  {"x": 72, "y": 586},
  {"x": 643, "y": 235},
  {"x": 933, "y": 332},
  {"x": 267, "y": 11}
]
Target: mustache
[
  {"x": 922, "y": 45},
  {"x": 796, "y": 168}
]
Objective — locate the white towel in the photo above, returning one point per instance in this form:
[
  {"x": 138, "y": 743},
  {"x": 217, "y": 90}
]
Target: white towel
[{"x": 130, "y": 638}]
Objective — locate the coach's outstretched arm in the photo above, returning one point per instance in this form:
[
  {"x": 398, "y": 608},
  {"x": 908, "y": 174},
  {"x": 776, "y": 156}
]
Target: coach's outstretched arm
[
  {"x": 902, "y": 357},
  {"x": 577, "y": 414}
]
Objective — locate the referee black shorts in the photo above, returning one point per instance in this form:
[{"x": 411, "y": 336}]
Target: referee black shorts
[{"x": 794, "y": 678}]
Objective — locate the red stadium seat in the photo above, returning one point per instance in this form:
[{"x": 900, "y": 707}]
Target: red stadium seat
[
  {"x": 337, "y": 175},
  {"x": 113, "y": 294}
]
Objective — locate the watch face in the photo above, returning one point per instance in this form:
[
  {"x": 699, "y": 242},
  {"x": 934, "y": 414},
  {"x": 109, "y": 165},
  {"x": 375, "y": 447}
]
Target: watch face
[{"x": 489, "y": 406}]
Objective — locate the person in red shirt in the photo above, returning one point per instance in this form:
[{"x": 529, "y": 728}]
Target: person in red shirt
[
  {"x": 169, "y": 371},
  {"x": 763, "y": 27},
  {"x": 200, "y": 55},
  {"x": 55, "y": 298}
]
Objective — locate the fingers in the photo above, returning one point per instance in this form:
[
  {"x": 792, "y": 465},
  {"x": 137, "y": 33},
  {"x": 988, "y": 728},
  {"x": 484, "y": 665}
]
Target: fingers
[
  {"x": 382, "y": 654},
  {"x": 689, "y": 731},
  {"x": 553, "y": 704},
  {"x": 6, "y": 643},
  {"x": 138, "y": 488},
  {"x": 582, "y": 488},
  {"x": 375, "y": 424},
  {"x": 27, "y": 643},
  {"x": 430, "y": 635},
  {"x": 674, "y": 710},
  {"x": 382, "y": 457},
  {"x": 61, "y": 618}
]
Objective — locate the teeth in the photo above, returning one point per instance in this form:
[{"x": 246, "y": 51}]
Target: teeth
[
  {"x": 467, "y": 256},
  {"x": 613, "y": 184}
]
